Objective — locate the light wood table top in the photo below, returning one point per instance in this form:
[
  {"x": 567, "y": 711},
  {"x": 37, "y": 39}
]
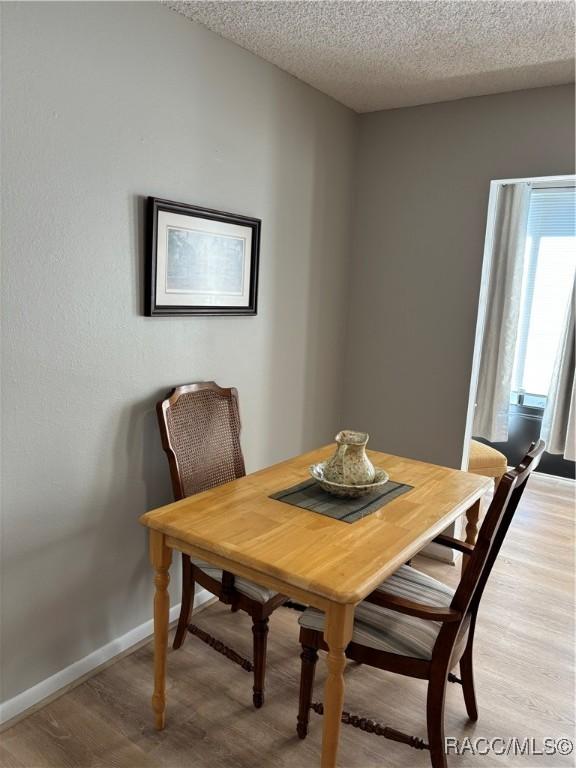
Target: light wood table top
[
  {"x": 323, "y": 562},
  {"x": 279, "y": 544}
]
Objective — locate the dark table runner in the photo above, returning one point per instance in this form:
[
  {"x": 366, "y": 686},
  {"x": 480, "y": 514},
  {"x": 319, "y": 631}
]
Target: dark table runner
[{"x": 309, "y": 495}]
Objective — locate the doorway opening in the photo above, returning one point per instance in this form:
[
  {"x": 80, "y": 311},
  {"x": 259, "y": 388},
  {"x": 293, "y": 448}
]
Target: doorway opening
[{"x": 523, "y": 372}]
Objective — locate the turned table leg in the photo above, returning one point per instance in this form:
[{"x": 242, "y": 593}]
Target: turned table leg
[
  {"x": 161, "y": 557},
  {"x": 472, "y": 516},
  {"x": 337, "y": 634}
]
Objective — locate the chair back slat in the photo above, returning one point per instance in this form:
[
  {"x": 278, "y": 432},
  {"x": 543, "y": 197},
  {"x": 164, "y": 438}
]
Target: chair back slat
[
  {"x": 200, "y": 429},
  {"x": 494, "y": 529}
]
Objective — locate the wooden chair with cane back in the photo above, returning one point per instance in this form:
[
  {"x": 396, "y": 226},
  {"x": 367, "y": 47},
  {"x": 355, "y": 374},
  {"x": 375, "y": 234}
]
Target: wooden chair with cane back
[
  {"x": 200, "y": 429},
  {"x": 414, "y": 625}
]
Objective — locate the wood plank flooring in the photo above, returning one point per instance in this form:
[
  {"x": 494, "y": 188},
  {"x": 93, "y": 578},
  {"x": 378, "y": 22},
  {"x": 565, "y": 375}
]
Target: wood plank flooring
[{"x": 524, "y": 675}]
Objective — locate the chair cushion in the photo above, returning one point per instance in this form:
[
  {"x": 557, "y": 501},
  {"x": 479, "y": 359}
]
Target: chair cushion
[
  {"x": 390, "y": 631},
  {"x": 485, "y": 460},
  {"x": 248, "y": 588}
]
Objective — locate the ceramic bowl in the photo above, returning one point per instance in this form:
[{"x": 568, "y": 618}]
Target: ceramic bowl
[{"x": 348, "y": 491}]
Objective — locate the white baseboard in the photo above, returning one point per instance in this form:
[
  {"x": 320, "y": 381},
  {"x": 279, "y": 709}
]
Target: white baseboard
[
  {"x": 80, "y": 670},
  {"x": 438, "y": 552}
]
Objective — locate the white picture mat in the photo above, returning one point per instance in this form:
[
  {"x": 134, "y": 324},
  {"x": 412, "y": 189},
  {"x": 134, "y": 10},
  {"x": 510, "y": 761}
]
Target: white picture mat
[{"x": 164, "y": 297}]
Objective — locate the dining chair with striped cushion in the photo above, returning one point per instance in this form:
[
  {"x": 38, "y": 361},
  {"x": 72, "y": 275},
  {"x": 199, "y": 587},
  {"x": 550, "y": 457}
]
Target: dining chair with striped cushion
[
  {"x": 200, "y": 430},
  {"x": 414, "y": 625}
]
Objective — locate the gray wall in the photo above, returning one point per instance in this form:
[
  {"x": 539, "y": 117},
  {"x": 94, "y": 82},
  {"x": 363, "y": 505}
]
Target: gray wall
[
  {"x": 104, "y": 103},
  {"x": 422, "y": 194}
]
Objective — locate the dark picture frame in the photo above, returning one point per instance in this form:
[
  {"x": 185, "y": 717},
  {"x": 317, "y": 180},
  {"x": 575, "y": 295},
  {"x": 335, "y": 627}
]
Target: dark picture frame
[{"x": 200, "y": 261}]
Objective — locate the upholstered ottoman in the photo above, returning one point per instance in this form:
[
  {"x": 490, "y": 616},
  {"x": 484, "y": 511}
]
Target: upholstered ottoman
[{"x": 485, "y": 460}]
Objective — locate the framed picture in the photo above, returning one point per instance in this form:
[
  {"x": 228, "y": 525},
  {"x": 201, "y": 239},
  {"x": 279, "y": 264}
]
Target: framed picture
[{"x": 200, "y": 261}]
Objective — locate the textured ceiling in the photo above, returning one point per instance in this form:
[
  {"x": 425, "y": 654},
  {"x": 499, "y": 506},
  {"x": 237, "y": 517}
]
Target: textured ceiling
[{"x": 384, "y": 53}]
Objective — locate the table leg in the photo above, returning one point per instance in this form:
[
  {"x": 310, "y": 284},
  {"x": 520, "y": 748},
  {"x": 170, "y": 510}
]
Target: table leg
[
  {"x": 337, "y": 634},
  {"x": 161, "y": 557},
  {"x": 472, "y": 516}
]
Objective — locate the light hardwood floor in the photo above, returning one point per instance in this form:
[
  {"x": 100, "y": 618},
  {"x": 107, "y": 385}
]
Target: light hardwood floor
[{"x": 524, "y": 680}]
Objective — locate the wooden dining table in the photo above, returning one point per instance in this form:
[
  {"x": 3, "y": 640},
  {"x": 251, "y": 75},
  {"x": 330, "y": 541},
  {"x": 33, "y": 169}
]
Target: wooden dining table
[{"x": 317, "y": 560}]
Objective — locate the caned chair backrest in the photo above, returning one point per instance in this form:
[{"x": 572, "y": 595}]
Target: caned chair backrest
[
  {"x": 494, "y": 529},
  {"x": 200, "y": 429}
]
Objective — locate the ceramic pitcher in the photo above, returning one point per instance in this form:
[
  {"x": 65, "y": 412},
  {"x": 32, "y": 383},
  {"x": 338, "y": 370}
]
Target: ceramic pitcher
[{"x": 349, "y": 464}]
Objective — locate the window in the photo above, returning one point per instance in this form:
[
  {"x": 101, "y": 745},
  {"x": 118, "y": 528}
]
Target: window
[{"x": 549, "y": 267}]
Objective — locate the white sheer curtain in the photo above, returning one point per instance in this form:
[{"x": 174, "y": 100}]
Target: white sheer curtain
[
  {"x": 502, "y": 313},
  {"x": 559, "y": 420}
]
